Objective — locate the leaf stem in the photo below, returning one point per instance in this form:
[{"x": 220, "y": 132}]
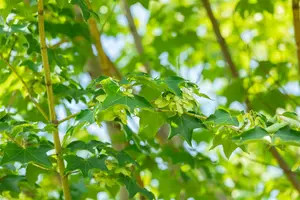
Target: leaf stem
[
  {"x": 57, "y": 143},
  {"x": 186, "y": 113},
  {"x": 37, "y": 105},
  {"x": 41, "y": 167},
  {"x": 68, "y": 117}
]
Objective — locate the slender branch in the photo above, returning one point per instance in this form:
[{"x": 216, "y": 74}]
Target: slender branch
[
  {"x": 107, "y": 17},
  {"x": 56, "y": 45},
  {"x": 290, "y": 175},
  {"x": 37, "y": 105},
  {"x": 12, "y": 46},
  {"x": 285, "y": 167},
  {"x": 258, "y": 161},
  {"x": 107, "y": 67},
  {"x": 39, "y": 166},
  {"x": 220, "y": 38},
  {"x": 133, "y": 30},
  {"x": 296, "y": 20},
  {"x": 57, "y": 144},
  {"x": 68, "y": 117}
]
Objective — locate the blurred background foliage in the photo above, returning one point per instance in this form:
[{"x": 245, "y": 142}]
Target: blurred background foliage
[{"x": 177, "y": 38}]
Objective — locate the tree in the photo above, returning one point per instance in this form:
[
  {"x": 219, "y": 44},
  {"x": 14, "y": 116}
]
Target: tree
[{"x": 198, "y": 102}]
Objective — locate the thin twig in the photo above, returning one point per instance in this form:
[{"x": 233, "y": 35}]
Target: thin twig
[
  {"x": 67, "y": 118},
  {"x": 108, "y": 17},
  {"x": 56, "y": 45},
  {"x": 220, "y": 38},
  {"x": 137, "y": 38},
  {"x": 37, "y": 105}
]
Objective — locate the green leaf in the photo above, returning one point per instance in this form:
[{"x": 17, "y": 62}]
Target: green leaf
[
  {"x": 228, "y": 145},
  {"x": 4, "y": 126},
  {"x": 150, "y": 89},
  {"x": 173, "y": 82},
  {"x": 150, "y": 122},
  {"x": 113, "y": 190},
  {"x": 11, "y": 183},
  {"x": 84, "y": 165},
  {"x": 260, "y": 100},
  {"x": 31, "y": 65},
  {"x": 222, "y": 117},
  {"x": 90, "y": 146},
  {"x": 14, "y": 28},
  {"x": 184, "y": 126},
  {"x": 61, "y": 3},
  {"x": 291, "y": 115},
  {"x": 85, "y": 116},
  {"x": 252, "y": 135},
  {"x": 33, "y": 45},
  {"x": 288, "y": 136},
  {"x": 131, "y": 102},
  {"x": 15, "y": 153},
  {"x": 248, "y": 7},
  {"x": 124, "y": 158},
  {"x": 224, "y": 138},
  {"x": 144, "y": 3},
  {"x": 32, "y": 173},
  {"x": 234, "y": 91},
  {"x": 133, "y": 188}
]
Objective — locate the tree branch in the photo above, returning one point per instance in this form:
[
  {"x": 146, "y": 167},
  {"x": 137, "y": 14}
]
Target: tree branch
[
  {"x": 296, "y": 20},
  {"x": 286, "y": 169},
  {"x": 284, "y": 166},
  {"x": 68, "y": 117},
  {"x": 133, "y": 30},
  {"x": 107, "y": 67},
  {"x": 220, "y": 38},
  {"x": 37, "y": 105},
  {"x": 57, "y": 144}
]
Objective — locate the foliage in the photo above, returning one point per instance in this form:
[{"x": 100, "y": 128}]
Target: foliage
[{"x": 171, "y": 146}]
